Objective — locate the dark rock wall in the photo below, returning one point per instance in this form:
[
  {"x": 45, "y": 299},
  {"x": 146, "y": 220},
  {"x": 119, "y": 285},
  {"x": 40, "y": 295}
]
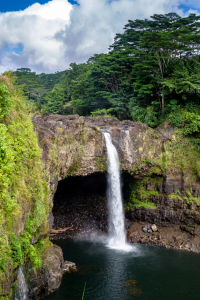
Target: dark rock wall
[{"x": 75, "y": 146}]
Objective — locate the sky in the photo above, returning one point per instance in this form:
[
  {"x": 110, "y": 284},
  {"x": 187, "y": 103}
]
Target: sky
[{"x": 46, "y": 36}]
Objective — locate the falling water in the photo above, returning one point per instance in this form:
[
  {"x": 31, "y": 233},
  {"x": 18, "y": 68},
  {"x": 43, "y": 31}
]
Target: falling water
[
  {"x": 21, "y": 289},
  {"x": 117, "y": 237}
]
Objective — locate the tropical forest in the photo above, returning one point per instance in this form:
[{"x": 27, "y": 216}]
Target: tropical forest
[
  {"x": 150, "y": 74},
  {"x": 100, "y": 170}
]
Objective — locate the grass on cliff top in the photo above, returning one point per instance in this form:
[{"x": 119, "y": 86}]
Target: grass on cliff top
[
  {"x": 145, "y": 204},
  {"x": 23, "y": 190}
]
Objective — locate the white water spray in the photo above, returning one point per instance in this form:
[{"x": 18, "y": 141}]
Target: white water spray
[
  {"x": 117, "y": 236},
  {"x": 21, "y": 289}
]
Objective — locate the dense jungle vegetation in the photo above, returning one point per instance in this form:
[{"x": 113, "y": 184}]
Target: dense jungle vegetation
[
  {"x": 150, "y": 74},
  {"x": 23, "y": 188}
]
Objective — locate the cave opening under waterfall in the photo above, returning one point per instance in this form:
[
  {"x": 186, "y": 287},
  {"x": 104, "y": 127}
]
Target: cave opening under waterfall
[{"x": 80, "y": 205}]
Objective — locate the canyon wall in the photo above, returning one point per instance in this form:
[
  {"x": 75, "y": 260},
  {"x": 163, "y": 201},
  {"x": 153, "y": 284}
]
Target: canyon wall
[
  {"x": 163, "y": 184},
  {"x": 164, "y": 187}
]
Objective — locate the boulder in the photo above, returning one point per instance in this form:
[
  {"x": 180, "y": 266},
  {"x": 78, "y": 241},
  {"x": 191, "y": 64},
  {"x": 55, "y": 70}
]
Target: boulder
[
  {"x": 154, "y": 228},
  {"x": 44, "y": 281},
  {"x": 147, "y": 228},
  {"x": 69, "y": 267}
]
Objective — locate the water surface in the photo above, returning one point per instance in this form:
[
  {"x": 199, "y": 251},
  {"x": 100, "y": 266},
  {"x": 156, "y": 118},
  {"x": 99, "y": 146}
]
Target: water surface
[{"x": 146, "y": 273}]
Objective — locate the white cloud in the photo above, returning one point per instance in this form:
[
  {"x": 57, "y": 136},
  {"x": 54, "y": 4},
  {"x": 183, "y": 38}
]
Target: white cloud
[
  {"x": 57, "y": 9},
  {"x": 55, "y": 34},
  {"x": 34, "y": 28}
]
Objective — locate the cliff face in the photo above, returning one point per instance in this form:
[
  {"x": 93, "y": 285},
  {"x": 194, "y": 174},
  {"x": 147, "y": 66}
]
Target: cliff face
[
  {"x": 164, "y": 186},
  {"x": 75, "y": 146}
]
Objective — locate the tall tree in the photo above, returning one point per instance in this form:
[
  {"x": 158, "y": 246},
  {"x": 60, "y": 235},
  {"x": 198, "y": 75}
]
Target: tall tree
[
  {"x": 107, "y": 85},
  {"x": 155, "y": 45}
]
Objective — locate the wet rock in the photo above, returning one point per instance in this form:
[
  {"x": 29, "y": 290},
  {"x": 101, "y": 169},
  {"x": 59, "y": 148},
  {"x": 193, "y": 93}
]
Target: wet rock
[
  {"x": 53, "y": 265},
  {"x": 69, "y": 267},
  {"x": 173, "y": 181},
  {"x": 147, "y": 228},
  {"x": 127, "y": 223},
  {"x": 168, "y": 237},
  {"x": 196, "y": 231},
  {"x": 46, "y": 280},
  {"x": 6, "y": 283}
]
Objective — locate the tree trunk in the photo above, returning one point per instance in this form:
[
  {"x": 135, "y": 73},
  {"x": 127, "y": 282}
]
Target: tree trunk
[{"x": 163, "y": 100}]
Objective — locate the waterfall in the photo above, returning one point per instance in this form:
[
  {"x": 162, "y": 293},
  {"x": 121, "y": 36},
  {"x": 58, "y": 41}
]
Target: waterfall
[
  {"x": 117, "y": 236},
  {"x": 21, "y": 289}
]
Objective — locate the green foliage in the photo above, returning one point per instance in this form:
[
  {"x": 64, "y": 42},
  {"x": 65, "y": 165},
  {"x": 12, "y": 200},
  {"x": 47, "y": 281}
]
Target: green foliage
[
  {"x": 156, "y": 45},
  {"x": 83, "y": 137},
  {"x": 22, "y": 250},
  {"x": 175, "y": 196},
  {"x": 181, "y": 154},
  {"x": 136, "y": 111},
  {"x": 176, "y": 119},
  {"x": 192, "y": 126},
  {"x": 36, "y": 86},
  {"x": 4, "y": 101},
  {"x": 151, "y": 117},
  {"x": 147, "y": 161},
  {"x": 102, "y": 112},
  {"x": 185, "y": 79},
  {"x": 103, "y": 87},
  {"x": 145, "y": 204},
  {"x": 23, "y": 190},
  {"x": 16, "y": 250},
  {"x": 7, "y": 297},
  {"x": 150, "y": 74},
  {"x": 55, "y": 101},
  {"x": 140, "y": 196}
]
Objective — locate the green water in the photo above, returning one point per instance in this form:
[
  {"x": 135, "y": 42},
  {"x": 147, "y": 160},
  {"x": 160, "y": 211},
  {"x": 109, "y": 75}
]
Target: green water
[{"x": 146, "y": 273}]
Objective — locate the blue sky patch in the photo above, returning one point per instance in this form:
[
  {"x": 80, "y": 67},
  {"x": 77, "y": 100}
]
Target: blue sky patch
[
  {"x": 13, "y": 5},
  {"x": 16, "y": 49},
  {"x": 184, "y": 8}
]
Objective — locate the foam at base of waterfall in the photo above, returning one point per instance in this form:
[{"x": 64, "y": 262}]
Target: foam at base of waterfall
[
  {"x": 118, "y": 245},
  {"x": 108, "y": 241}
]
